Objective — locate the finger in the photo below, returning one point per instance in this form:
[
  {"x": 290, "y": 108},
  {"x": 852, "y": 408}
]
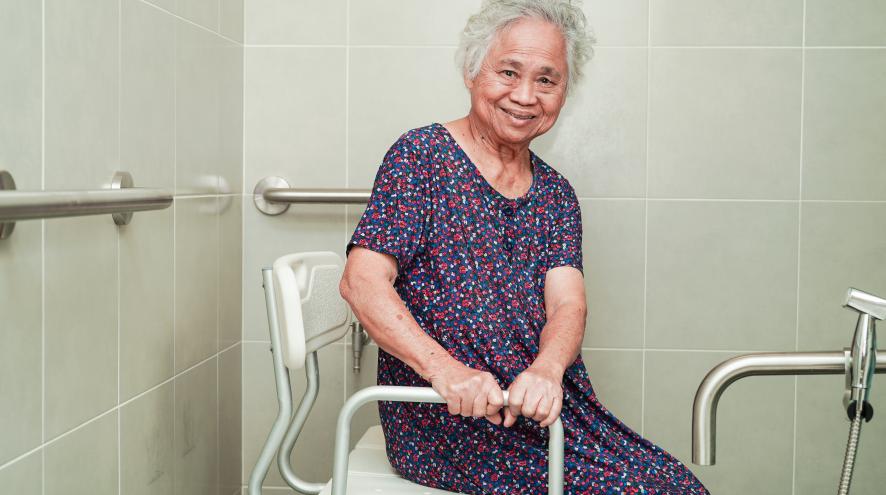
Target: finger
[
  {"x": 480, "y": 408},
  {"x": 454, "y": 405},
  {"x": 544, "y": 408},
  {"x": 510, "y": 419},
  {"x": 531, "y": 403},
  {"x": 515, "y": 397},
  {"x": 494, "y": 401},
  {"x": 494, "y": 418},
  {"x": 556, "y": 407},
  {"x": 467, "y": 406}
]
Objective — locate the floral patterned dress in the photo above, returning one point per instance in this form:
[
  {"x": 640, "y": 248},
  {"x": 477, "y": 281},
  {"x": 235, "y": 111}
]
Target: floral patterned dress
[{"x": 471, "y": 270}]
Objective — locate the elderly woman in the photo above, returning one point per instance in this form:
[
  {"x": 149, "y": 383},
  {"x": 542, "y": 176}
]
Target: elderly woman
[{"x": 466, "y": 269}]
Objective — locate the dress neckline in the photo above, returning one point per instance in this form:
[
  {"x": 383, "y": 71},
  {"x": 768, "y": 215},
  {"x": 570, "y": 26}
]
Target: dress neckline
[{"x": 485, "y": 183}]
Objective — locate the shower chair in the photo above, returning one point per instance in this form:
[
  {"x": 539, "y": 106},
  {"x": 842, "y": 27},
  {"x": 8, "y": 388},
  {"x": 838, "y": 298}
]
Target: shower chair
[{"x": 305, "y": 313}]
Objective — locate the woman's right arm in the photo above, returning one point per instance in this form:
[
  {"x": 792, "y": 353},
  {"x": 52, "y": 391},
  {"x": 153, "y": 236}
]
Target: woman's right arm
[{"x": 368, "y": 286}]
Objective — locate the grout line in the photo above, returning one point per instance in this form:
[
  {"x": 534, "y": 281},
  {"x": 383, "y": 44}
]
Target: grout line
[
  {"x": 119, "y": 406},
  {"x": 646, "y": 219},
  {"x": 799, "y": 247},
  {"x": 42, "y": 249},
  {"x": 117, "y": 233},
  {"x": 175, "y": 214},
  {"x": 204, "y": 28},
  {"x": 347, "y": 165},
  {"x": 218, "y": 254}
]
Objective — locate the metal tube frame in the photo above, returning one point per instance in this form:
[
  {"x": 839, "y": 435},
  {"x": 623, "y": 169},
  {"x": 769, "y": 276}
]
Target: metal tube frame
[
  {"x": 281, "y": 438},
  {"x": 272, "y": 195},
  {"x": 704, "y": 408},
  {"x": 423, "y": 394},
  {"x": 121, "y": 199}
]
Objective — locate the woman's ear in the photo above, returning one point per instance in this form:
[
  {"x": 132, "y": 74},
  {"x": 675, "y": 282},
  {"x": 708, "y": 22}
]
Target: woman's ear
[{"x": 469, "y": 83}]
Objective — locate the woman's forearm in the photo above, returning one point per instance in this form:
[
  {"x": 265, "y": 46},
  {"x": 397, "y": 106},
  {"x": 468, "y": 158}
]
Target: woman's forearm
[
  {"x": 561, "y": 337},
  {"x": 391, "y": 325}
]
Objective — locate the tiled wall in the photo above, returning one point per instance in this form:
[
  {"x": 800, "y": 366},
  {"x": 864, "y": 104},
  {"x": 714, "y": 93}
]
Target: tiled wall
[
  {"x": 730, "y": 162},
  {"x": 120, "y": 354}
]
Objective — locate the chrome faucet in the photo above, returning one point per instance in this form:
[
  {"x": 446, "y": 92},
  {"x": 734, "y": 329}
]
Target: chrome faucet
[{"x": 858, "y": 363}]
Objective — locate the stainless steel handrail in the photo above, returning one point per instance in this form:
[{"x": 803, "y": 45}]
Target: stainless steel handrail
[
  {"x": 704, "y": 409},
  {"x": 120, "y": 200},
  {"x": 424, "y": 394},
  {"x": 273, "y": 195},
  {"x": 27, "y": 205}
]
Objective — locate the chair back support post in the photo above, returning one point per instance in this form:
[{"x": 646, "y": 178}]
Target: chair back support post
[
  {"x": 422, "y": 394},
  {"x": 284, "y": 456},
  {"x": 280, "y": 434}
]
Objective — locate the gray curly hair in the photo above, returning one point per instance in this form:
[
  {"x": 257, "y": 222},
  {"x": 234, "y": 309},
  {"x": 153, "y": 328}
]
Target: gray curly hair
[{"x": 495, "y": 15}]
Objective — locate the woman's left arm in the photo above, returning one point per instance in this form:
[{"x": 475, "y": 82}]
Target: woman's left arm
[{"x": 538, "y": 392}]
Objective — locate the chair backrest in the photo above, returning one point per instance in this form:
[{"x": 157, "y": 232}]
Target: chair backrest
[{"x": 310, "y": 310}]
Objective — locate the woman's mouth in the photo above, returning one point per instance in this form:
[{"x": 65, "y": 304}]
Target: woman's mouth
[{"x": 519, "y": 116}]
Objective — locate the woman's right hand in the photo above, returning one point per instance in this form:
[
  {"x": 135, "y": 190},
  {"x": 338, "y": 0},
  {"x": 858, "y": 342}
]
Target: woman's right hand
[{"x": 469, "y": 392}]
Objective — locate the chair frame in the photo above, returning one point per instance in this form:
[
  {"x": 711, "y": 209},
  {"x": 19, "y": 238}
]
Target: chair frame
[{"x": 282, "y": 438}]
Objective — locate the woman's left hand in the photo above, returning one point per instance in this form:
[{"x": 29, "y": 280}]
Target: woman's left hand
[{"x": 536, "y": 393}]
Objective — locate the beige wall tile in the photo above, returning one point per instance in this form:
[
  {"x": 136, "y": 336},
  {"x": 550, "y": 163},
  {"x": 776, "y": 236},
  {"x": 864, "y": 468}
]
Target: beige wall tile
[
  {"x": 21, "y": 334},
  {"x": 147, "y": 95},
  {"x": 196, "y": 430},
  {"x": 619, "y": 22},
  {"x": 617, "y": 379},
  {"x": 80, "y": 350},
  {"x": 613, "y": 247},
  {"x": 146, "y": 301},
  {"x": 312, "y": 455},
  {"x": 20, "y": 120},
  {"x": 856, "y": 23},
  {"x": 712, "y": 283},
  {"x": 843, "y": 149},
  {"x": 723, "y": 22},
  {"x": 231, "y": 19},
  {"x": 196, "y": 280},
  {"x": 599, "y": 142},
  {"x": 208, "y": 112},
  {"x": 295, "y": 124},
  {"x": 842, "y": 246},
  {"x": 230, "y": 266},
  {"x": 202, "y": 12},
  {"x": 281, "y": 22},
  {"x": 409, "y": 22},
  {"x": 304, "y": 227},
  {"x": 393, "y": 90},
  {"x": 85, "y": 461},
  {"x": 724, "y": 124},
  {"x": 230, "y": 421},
  {"x": 24, "y": 477},
  {"x": 81, "y": 95},
  {"x": 754, "y": 423},
  {"x": 368, "y": 376},
  {"x": 822, "y": 432},
  {"x": 146, "y": 443}
]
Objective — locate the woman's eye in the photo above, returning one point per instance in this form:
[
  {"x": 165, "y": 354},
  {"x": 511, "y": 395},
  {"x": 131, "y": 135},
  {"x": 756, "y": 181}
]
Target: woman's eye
[
  {"x": 546, "y": 81},
  {"x": 508, "y": 73}
]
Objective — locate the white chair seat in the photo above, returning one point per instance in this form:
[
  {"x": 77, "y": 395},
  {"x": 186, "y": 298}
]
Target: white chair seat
[{"x": 369, "y": 472}]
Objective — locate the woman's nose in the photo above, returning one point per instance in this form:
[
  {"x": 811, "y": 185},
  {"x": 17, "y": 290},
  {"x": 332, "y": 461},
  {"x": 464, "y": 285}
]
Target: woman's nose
[{"x": 524, "y": 93}]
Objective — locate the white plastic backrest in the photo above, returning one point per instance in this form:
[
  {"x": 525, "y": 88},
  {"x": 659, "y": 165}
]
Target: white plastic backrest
[{"x": 310, "y": 310}]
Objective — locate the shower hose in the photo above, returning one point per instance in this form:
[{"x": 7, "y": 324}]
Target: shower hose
[{"x": 851, "y": 448}]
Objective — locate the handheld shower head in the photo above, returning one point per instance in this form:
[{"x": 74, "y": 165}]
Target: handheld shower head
[{"x": 863, "y": 355}]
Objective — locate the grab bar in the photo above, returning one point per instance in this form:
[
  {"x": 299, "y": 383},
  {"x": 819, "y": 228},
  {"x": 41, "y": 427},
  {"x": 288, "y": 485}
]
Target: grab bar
[
  {"x": 120, "y": 200},
  {"x": 424, "y": 394},
  {"x": 273, "y": 195},
  {"x": 704, "y": 408}
]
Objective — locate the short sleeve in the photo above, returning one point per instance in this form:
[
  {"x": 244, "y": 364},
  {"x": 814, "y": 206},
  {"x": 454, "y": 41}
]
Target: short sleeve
[
  {"x": 564, "y": 243},
  {"x": 395, "y": 218}
]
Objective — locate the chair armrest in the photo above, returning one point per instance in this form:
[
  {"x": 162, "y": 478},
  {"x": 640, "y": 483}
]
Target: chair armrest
[{"x": 423, "y": 394}]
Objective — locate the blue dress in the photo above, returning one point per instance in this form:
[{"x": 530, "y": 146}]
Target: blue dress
[{"x": 471, "y": 270}]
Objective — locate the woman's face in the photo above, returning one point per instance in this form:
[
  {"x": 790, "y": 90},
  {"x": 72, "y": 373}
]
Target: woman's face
[{"x": 521, "y": 86}]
